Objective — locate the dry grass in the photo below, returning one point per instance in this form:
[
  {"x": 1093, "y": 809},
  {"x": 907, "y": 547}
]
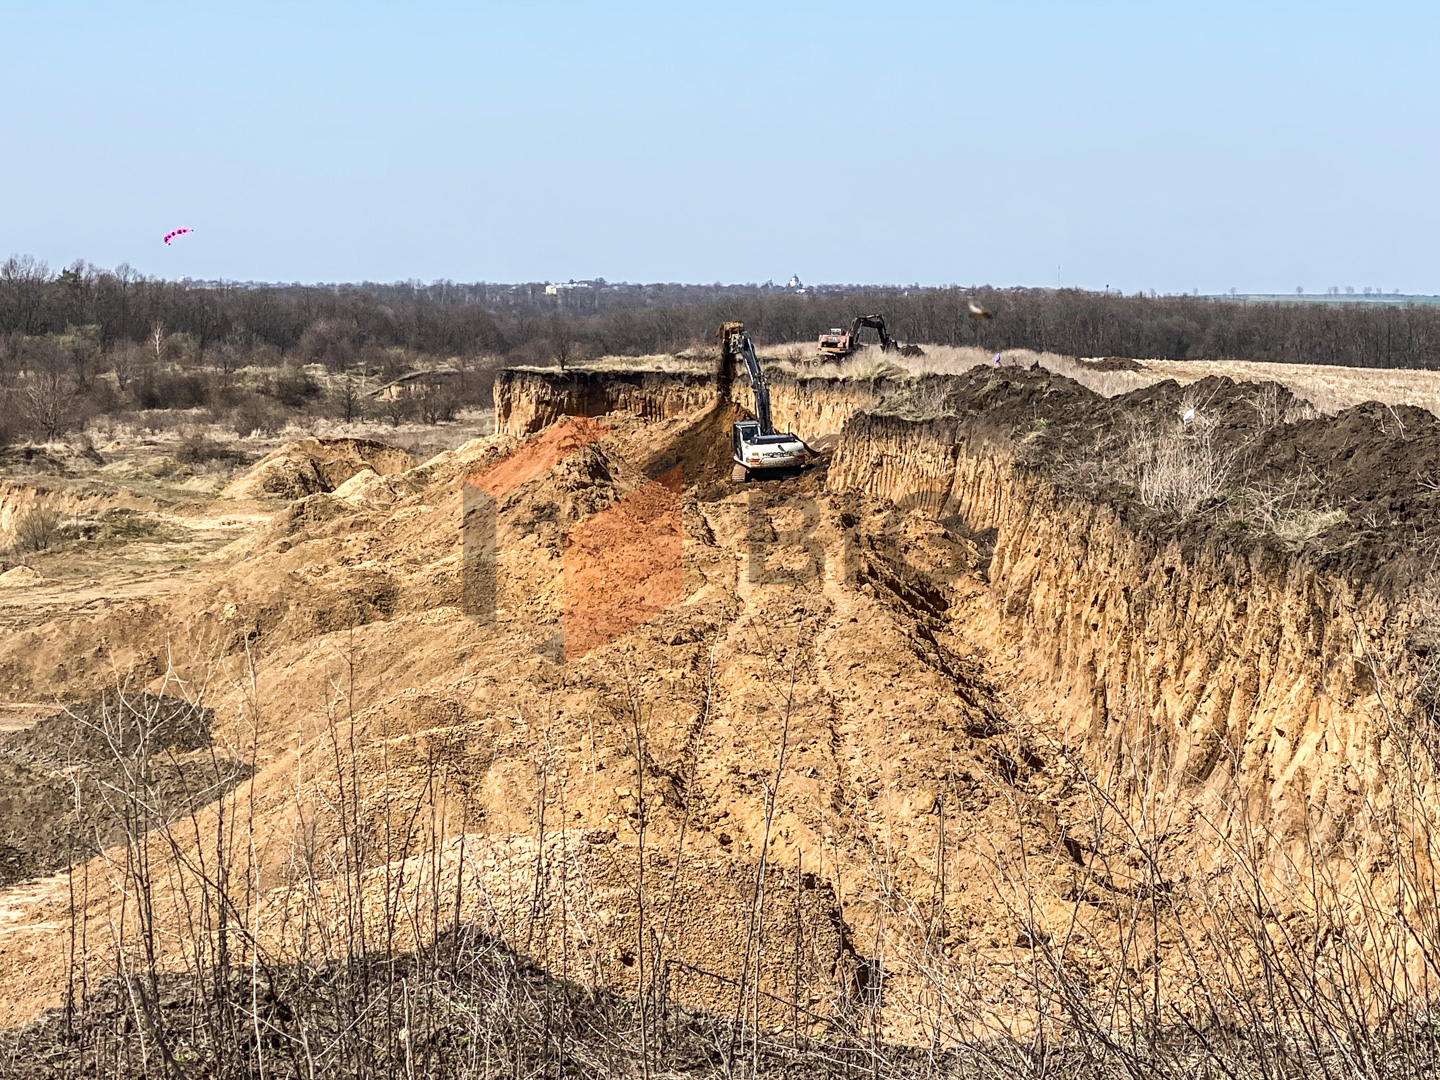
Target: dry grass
[
  {"x": 696, "y": 363},
  {"x": 1175, "y": 467}
]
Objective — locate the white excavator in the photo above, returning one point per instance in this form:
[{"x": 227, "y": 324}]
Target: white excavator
[{"x": 759, "y": 451}]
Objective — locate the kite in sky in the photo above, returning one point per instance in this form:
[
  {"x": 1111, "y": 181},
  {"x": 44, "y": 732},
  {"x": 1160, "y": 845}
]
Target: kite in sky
[{"x": 177, "y": 232}]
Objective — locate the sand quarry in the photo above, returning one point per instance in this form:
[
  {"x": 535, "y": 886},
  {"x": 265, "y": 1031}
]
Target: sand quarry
[{"x": 1021, "y": 704}]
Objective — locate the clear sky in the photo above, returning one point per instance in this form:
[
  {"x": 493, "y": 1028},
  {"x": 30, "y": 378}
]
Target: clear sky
[{"x": 1155, "y": 145}]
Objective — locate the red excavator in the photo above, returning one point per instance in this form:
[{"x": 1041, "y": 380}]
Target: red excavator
[{"x": 839, "y": 343}]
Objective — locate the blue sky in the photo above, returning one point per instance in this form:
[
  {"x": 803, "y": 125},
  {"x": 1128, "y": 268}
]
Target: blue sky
[{"x": 1142, "y": 146}]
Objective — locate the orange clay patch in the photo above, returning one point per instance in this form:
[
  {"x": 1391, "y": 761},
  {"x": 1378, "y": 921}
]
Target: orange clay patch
[
  {"x": 623, "y": 565},
  {"x": 537, "y": 455}
]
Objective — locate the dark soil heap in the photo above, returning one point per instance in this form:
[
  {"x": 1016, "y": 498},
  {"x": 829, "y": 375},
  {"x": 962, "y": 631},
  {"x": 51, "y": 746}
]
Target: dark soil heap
[
  {"x": 1378, "y": 464},
  {"x": 73, "y": 781}
]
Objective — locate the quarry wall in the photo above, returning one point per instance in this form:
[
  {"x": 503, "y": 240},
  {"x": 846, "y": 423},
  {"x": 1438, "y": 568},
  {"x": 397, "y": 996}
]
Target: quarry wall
[
  {"x": 1232, "y": 675},
  {"x": 527, "y": 400}
]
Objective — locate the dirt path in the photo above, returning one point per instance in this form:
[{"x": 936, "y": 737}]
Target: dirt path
[{"x": 86, "y": 582}]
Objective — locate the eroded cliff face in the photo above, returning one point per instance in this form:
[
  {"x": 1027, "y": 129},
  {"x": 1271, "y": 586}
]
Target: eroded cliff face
[
  {"x": 1226, "y": 677},
  {"x": 815, "y": 407},
  {"x": 17, "y": 500},
  {"x": 527, "y": 400}
]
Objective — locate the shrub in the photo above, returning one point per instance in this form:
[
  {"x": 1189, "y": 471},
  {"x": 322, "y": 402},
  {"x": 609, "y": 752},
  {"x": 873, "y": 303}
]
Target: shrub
[
  {"x": 330, "y": 342},
  {"x": 38, "y": 530},
  {"x": 293, "y": 387},
  {"x": 255, "y": 414},
  {"x": 169, "y": 389},
  {"x": 197, "y": 449}
]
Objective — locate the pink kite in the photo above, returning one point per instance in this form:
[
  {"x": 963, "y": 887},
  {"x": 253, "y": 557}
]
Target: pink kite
[{"x": 178, "y": 232}]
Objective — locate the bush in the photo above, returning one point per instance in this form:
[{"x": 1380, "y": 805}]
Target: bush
[
  {"x": 38, "y": 530},
  {"x": 293, "y": 387},
  {"x": 169, "y": 389},
  {"x": 330, "y": 342},
  {"x": 197, "y": 449},
  {"x": 257, "y": 414}
]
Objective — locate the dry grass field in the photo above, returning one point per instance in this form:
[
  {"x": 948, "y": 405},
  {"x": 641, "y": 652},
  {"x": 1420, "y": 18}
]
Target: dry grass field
[{"x": 1328, "y": 388}]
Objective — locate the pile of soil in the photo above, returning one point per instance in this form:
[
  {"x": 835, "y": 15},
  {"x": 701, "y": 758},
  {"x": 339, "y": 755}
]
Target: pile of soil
[
  {"x": 1376, "y": 463},
  {"x": 69, "y": 783},
  {"x": 312, "y": 466}
]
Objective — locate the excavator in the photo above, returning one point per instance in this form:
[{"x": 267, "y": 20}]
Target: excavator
[
  {"x": 757, "y": 449},
  {"x": 838, "y": 343}
]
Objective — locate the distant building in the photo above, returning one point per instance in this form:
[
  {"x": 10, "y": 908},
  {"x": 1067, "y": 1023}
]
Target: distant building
[
  {"x": 566, "y": 286},
  {"x": 794, "y": 282}
]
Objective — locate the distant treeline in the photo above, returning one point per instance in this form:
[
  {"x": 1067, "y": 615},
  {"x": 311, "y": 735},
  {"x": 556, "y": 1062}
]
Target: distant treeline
[{"x": 334, "y": 323}]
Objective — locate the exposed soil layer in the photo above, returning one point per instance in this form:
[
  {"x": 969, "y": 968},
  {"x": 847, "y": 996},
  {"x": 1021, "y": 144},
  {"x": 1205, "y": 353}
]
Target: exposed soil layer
[{"x": 1377, "y": 464}]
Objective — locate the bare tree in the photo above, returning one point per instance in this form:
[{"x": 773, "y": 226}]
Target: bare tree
[
  {"x": 562, "y": 341},
  {"x": 350, "y": 397},
  {"x": 49, "y": 402},
  {"x": 126, "y": 362},
  {"x": 224, "y": 358},
  {"x": 10, "y": 359},
  {"x": 157, "y": 340},
  {"x": 82, "y": 345},
  {"x": 23, "y": 283}
]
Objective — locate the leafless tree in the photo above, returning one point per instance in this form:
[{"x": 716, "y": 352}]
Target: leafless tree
[
  {"x": 10, "y": 359},
  {"x": 82, "y": 345},
  {"x": 562, "y": 341},
  {"x": 349, "y": 397},
  {"x": 157, "y": 340},
  {"x": 22, "y": 293},
  {"x": 49, "y": 402}
]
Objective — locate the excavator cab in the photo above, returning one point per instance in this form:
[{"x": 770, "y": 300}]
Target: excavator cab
[{"x": 759, "y": 456}]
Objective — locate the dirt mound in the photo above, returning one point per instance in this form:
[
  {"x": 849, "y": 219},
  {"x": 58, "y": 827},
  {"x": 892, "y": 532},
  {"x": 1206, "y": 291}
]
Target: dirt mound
[
  {"x": 1366, "y": 474},
  {"x": 538, "y": 455},
  {"x": 312, "y": 466},
  {"x": 1112, "y": 363},
  {"x": 20, "y": 576},
  {"x": 69, "y": 780}
]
